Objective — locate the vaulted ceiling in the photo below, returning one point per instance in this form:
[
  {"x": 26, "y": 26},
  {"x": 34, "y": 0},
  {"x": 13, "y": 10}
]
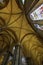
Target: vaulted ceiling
[{"x": 15, "y": 29}]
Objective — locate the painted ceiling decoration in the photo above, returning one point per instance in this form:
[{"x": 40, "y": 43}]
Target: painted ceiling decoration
[{"x": 20, "y": 33}]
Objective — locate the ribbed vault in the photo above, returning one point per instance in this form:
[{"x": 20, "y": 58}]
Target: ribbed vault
[{"x": 15, "y": 30}]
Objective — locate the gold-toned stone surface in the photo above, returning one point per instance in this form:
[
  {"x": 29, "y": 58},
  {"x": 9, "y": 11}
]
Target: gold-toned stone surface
[{"x": 31, "y": 44}]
